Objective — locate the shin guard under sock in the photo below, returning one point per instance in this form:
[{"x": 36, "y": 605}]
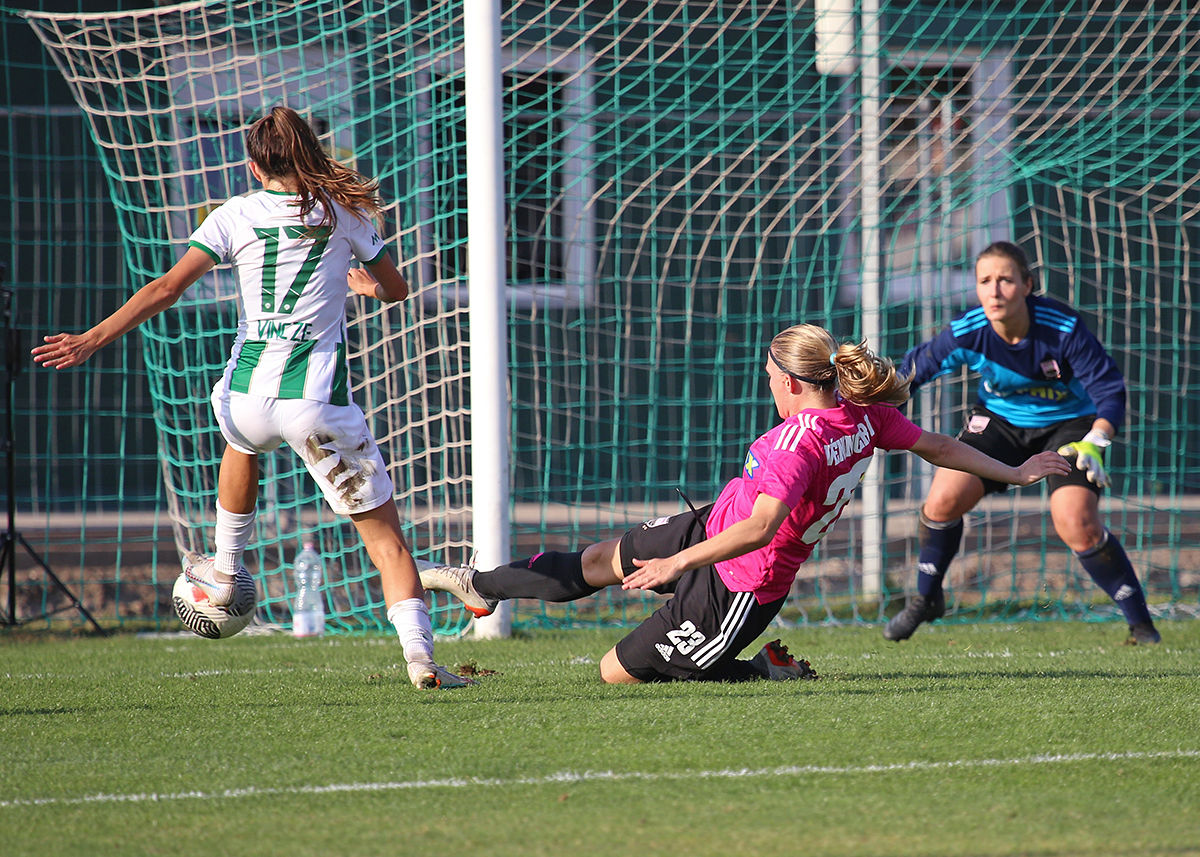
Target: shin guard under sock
[
  {"x": 939, "y": 545},
  {"x": 549, "y": 576},
  {"x": 1108, "y": 565}
]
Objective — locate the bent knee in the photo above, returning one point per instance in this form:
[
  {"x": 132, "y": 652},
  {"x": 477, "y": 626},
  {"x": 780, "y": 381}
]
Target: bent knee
[
  {"x": 611, "y": 671},
  {"x": 1082, "y": 539},
  {"x": 943, "y": 508},
  {"x": 602, "y": 563},
  {"x": 952, "y": 494}
]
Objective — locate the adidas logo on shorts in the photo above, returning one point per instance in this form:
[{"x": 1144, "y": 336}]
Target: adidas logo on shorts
[{"x": 664, "y": 650}]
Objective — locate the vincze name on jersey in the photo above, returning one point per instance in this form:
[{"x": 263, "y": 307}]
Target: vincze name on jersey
[
  {"x": 292, "y": 331},
  {"x": 844, "y": 447}
]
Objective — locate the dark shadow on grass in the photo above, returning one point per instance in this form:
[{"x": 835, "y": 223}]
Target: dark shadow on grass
[{"x": 41, "y": 712}]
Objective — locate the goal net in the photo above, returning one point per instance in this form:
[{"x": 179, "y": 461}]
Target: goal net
[{"x": 683, "y": 180}]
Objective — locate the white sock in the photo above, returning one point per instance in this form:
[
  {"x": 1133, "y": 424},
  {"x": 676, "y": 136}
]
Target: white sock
[
  {"x": 233, "y": 534},
  {"x": 411, "y": 618}
]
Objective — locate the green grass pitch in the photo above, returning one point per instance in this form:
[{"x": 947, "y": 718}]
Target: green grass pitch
[{"x": 1037, "y": 739}]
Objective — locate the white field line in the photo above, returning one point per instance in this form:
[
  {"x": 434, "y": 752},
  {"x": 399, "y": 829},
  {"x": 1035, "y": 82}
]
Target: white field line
[
  {"x": 575, "y": 777},
  {"x": 965, "y": 653}
]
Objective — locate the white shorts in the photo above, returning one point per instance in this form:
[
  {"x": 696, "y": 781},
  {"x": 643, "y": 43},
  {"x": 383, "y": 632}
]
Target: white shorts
[{"x": 333, "y": 441}]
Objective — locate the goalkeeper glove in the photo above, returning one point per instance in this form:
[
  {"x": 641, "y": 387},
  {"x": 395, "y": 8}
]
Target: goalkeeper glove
[{"x": 1089, "y": 455}]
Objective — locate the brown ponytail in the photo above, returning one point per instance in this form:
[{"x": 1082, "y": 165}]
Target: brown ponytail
[
  {"x": 284, "y": 146},
  {"x": 811, "y": 354}
]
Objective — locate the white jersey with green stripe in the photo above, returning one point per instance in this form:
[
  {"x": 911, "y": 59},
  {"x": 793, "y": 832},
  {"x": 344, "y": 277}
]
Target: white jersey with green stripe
[{"x": 291, "y": 275}]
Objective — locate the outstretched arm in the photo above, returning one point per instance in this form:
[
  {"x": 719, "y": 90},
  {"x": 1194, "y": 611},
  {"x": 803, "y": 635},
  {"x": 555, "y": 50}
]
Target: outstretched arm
[
  {"x": 742, "y": 537},
  {"x": 948, "y": 452},
  {"x": 64, "y": 350}
]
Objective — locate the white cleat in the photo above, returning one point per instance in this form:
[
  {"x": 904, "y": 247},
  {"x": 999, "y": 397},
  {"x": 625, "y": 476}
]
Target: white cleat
[
  {"x": 430, "y": 676},
  {"x": 458, "y": 581},
  {"x": 202, "y": 574}
]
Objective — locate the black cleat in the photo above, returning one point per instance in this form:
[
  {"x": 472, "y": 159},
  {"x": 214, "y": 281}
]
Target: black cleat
[
  {"x": 1143, "y": 634},
  {"x": 776, "y": 663},
  {"x": 919, "y": 609}
]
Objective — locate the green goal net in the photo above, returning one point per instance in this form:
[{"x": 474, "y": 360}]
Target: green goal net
[{"x": 683, "y": 180}]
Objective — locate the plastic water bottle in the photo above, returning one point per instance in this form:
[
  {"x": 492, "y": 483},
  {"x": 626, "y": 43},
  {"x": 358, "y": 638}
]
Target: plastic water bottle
[{"x": 308, "y": 610}]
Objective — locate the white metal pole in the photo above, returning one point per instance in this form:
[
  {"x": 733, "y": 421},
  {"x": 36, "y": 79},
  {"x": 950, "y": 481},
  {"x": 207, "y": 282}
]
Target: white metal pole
[
  {"x": 834, "y": 31},
  {"x": 926, "y": 290},
  {"x": 872, "y": 524},
  {"x": 487, "y": 288}
]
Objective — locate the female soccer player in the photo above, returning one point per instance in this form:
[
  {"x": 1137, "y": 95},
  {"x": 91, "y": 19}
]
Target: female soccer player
[
  {"x": 1048, "y": 384},
  {"x": 731, "y": 564},
  {"x": 291, "y": 245}
]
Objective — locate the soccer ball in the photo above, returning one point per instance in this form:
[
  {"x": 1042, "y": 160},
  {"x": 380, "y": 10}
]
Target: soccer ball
[{"x": 207, "y": 620}]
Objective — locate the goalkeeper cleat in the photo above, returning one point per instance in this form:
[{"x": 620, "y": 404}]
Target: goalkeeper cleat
[
  {"x": 430, "y": 676},
  {"x": 458, "y": 581},
  {"x": 202, "y": 574},
  {"x": 919, "y": 609},
  {"x": 1143, "y": 634},
  {"x": 776, "y": 664}
]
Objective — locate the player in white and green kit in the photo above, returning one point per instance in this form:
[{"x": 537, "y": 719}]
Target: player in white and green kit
[{"x": 291, "y": 246}]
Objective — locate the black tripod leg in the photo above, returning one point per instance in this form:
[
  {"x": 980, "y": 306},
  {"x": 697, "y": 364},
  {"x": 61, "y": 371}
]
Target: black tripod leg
[
  {"x": 12, "y": 357},
  {"x": 9, "y": 553},
  {"x": 75, "y": 602}
]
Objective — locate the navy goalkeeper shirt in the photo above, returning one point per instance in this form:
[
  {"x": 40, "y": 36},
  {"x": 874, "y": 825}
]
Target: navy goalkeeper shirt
[{"x": 1057, "y": 372}]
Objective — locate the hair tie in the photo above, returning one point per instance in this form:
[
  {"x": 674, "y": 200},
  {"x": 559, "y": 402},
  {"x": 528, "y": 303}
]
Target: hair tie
[{"x": 833, "y": 358}]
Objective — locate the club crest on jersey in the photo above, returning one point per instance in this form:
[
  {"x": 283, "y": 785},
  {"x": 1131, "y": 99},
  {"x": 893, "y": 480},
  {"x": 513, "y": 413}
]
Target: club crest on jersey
[
  {"x": 1050, "y": 369},
  {"x": 752, "y": 464},
  {"x": 977, "y": 423}
]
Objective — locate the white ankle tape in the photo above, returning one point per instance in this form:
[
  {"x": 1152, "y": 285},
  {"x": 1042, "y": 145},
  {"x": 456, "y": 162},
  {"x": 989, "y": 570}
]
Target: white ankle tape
[{"x": 410, "y": 617}]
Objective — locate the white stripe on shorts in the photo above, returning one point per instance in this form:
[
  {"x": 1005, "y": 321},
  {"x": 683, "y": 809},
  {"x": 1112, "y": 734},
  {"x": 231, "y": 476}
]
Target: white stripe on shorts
[{"x": 730, "y": 626}]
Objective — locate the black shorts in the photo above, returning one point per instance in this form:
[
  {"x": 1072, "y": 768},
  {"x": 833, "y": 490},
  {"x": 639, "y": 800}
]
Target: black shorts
[
  {"x": 704, "y": 627},
  {"x": 1011, "y": 444}
]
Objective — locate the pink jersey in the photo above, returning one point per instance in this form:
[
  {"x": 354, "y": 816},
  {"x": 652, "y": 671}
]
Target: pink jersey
[{"x": 812, "y": 462}]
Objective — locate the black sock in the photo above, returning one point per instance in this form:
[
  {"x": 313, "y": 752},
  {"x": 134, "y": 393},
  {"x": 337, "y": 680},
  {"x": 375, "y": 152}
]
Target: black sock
[
  {"x": 732, "y": 671},
  {"x": 1110, "y": 568},
  {"x": 549, "y": 576},
  {"x": 939, "y": 545}
]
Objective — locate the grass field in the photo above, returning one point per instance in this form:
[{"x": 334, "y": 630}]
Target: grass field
[{"x": 1039, "y": 739}]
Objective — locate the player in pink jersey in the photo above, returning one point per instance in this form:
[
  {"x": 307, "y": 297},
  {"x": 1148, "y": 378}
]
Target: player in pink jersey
[{"x": 730, "y": 565}]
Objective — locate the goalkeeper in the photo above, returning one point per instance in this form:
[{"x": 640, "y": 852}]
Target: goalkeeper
[{"x": 1047, "y": 384}]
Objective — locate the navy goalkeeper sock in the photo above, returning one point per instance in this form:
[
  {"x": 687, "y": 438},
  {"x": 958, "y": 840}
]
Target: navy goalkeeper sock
[
  {"x": 549, "y": 576},
  {"x": 1110, "y": 568},
  {"x": 939, "y": 545}
]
